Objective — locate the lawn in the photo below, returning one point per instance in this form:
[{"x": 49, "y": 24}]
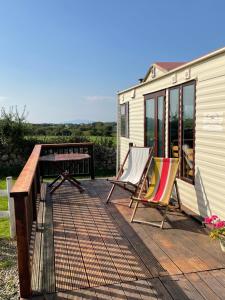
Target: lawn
[
  {"x": 3, "y": 203},
  {"x": 4, "y": 228},
  {"x": 3, "y": 183}
]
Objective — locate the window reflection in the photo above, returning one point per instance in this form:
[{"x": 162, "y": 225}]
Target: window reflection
[
  {"x": 181, "y": 127},
  {"x": 160, "y": 126},
  {"x": 188, "y": 132},
  {"x": 150, "y": 122},
  {"x": 124, "y": 120},
  {"x": 173, "y": 122}
]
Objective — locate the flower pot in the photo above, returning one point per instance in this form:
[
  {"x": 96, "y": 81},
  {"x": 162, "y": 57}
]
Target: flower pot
[{"x": 222, "y": 244}]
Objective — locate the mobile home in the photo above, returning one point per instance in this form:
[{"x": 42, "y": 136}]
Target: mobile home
[{"x": 179, "y": 108}]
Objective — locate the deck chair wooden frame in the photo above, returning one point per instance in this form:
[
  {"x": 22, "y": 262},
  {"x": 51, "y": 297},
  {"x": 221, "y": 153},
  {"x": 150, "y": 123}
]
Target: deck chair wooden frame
[
  {"x": 152, "y": 197},
  {"x": 129, "y": 186}
]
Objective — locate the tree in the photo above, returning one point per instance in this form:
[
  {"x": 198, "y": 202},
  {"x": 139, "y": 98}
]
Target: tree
[{"x": 13, "y": 126}]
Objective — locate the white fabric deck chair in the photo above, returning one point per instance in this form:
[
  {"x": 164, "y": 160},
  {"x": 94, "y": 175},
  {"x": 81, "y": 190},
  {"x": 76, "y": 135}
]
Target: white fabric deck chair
[{"x": 137, "y": 159}]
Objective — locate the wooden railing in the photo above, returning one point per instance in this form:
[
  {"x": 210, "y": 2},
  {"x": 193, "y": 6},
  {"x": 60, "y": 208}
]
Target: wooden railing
[
  {"x": 26, "y": 191},
  {"x": 78, "y": 168}
]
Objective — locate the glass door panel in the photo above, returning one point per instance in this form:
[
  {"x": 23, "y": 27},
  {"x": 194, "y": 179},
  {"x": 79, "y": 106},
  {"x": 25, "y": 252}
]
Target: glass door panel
[
  {"x": 188, "y": 131},
  {"x": 154, "y": 122},
  {"x": 150, "y": 122},
  {"x": 160, "y": 127},
  {"x": 174, "y": 123}
]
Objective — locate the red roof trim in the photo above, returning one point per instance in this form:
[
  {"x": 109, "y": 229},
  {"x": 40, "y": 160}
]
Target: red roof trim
[{"x": 168, "y": 66}]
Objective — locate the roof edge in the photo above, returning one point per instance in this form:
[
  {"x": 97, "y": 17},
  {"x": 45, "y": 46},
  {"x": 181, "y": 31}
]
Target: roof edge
[{"x": 188, "y": 64}]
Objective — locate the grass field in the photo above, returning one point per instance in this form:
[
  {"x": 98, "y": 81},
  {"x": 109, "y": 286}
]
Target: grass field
[
  {"x": 100, "y": 139},
  {"x": 3, "y": 183},
  {"x": 4, "y": 203},
  {"x": 92, "y": 138},
  {"x": 4, "y": 228}
]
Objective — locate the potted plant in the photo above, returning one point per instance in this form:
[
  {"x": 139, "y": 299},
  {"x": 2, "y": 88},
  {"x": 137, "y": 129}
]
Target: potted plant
[{"x": 217, "y": 227}]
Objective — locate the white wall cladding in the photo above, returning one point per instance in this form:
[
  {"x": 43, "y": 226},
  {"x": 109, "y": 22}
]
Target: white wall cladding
[
  {"x": 136, "y": 116},
  {"x": 207, "y": 196},
  {"x": 210, "y": 143}
]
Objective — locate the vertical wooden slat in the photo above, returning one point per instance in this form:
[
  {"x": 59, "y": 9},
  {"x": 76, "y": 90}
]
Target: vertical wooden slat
[
  {"x": 75, "y": 168},
  {"x": 38, "y": 182},
  {"x": 22, "y": 245},
  {"x": 92, "y": 172},
  {"x": 33, "y": 198},
  {"x": 29, "y": 213}
]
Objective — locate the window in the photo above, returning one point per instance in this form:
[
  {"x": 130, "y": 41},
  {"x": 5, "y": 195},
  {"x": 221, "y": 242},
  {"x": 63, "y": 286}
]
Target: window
[
  {"x": 182, "y": 127},
  {"x": 124, "y": 120}
]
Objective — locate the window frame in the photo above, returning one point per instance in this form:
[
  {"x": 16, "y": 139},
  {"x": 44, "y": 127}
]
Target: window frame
[
  {"x": 180, "y": 87},
  {"x": 126, "y": 134}
]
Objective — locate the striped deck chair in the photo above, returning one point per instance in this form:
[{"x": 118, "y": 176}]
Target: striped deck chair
[
  {"x": 163, "y": 171},
  {"x": 133, "y": 170}
]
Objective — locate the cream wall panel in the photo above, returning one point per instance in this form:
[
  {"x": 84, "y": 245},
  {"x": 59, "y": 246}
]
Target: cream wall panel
[
  {"x": 124, "y": 146},
  {"x": 137, "y": 121}
]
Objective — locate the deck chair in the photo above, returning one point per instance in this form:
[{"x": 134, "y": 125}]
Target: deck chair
[
  {"x": 136, "y": 161},
  {"x": 163, "y": 171}
]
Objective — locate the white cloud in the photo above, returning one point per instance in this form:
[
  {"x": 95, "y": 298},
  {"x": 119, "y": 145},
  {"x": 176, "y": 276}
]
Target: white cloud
[{"x": 98, "y": 98}]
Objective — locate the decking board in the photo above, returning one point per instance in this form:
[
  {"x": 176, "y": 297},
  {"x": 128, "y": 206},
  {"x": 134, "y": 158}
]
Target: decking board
[{"x": 90, "y": 250}]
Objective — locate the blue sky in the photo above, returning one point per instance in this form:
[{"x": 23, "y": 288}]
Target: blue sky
[{"x": 66, "y": 60}]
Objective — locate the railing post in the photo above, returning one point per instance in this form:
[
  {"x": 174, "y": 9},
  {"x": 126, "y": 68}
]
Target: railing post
[
  {"x": 22, "y": 245},
  {"x": 11, "y": 208},
  {"x": 38, "y": 181},
  {"x": 92, "y": 170}
]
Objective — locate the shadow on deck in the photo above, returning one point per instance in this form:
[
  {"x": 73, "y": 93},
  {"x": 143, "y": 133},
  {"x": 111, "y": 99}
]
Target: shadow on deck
[{"x": 85, "y": 249}]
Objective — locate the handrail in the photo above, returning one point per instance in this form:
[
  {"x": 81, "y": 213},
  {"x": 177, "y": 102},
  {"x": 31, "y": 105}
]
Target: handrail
[
  {"x": 67, "y": 145},
  {"x": 26, "y": 192},
  {"x": 24, "y": 182}
]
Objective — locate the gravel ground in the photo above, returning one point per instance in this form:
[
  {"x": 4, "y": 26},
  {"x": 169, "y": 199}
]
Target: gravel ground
[{"x": 9, "y": 285}]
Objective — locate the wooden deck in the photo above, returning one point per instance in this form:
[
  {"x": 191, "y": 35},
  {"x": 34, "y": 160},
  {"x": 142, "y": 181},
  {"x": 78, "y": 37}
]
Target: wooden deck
[{"x": 85, "y": 249}]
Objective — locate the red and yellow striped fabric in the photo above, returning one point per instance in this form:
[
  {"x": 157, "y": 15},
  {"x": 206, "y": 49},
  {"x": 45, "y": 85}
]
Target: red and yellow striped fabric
[{"x": 163, "y": 176}]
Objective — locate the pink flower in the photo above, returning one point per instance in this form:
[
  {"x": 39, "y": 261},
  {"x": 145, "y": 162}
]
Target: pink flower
[
  {"x": 219, "y": 224},
  {"x": 211, "y": 220},
  {"x": 208, "y": 220}
]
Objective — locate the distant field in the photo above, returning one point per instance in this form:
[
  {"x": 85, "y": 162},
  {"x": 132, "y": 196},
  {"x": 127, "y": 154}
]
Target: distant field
[
  {"x": 92, "y": 138},
  {"x": 48, "y": 138},
  {"x": 99, "y": 139}
]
